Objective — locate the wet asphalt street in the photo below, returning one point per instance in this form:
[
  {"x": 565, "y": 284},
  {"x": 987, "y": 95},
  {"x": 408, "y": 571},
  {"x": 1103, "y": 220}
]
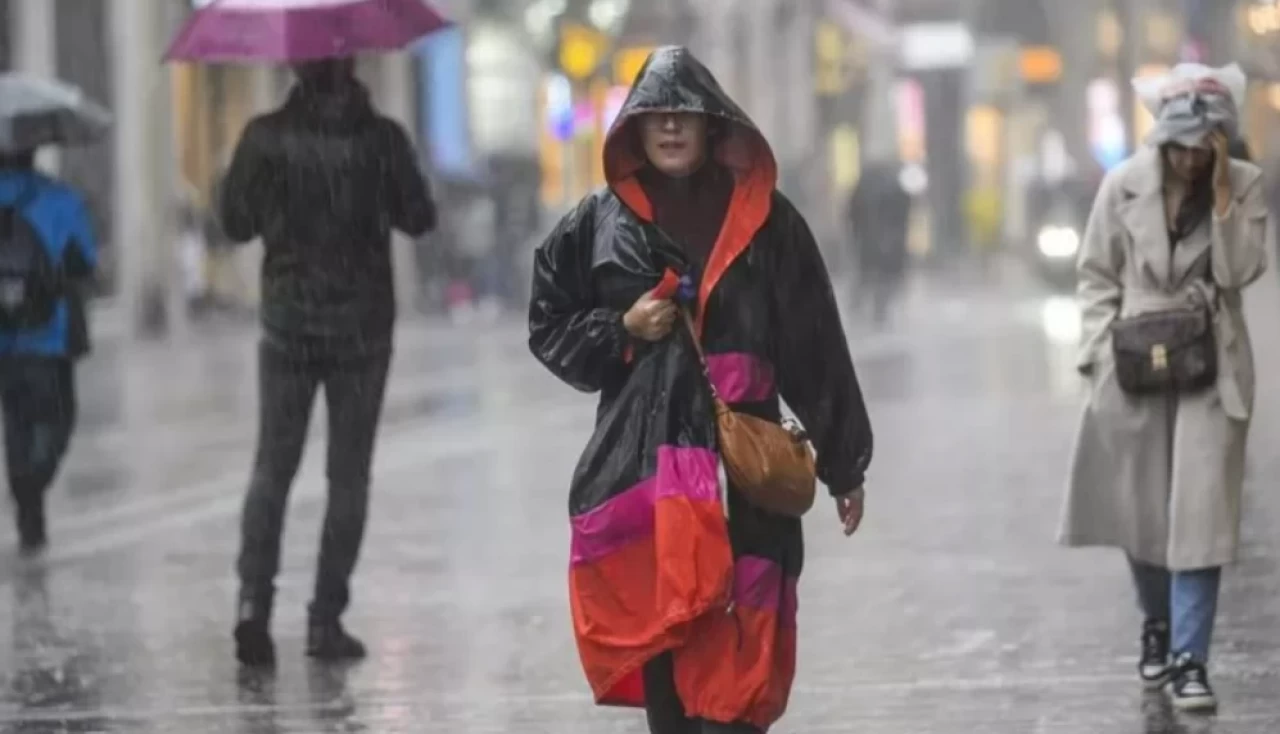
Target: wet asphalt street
[{"x": 952, "y": 611}]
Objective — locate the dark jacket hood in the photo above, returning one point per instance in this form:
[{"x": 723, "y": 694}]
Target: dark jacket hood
[
  {"x": 346, "y": 105},
  {"x": 674, "y": 80}
]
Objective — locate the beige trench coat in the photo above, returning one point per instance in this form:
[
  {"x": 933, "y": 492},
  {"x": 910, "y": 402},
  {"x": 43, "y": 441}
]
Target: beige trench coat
[{"x": 1159, "y": 477}]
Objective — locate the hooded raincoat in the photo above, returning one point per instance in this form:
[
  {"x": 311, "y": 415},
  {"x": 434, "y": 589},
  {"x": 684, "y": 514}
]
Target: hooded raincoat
[{"x": 655, "y": 565}]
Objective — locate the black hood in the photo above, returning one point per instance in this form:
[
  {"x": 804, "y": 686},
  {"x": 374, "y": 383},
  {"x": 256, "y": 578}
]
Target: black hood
[
  {"x": 673, "y": 80},
  {"x": 344, "y": 105}
]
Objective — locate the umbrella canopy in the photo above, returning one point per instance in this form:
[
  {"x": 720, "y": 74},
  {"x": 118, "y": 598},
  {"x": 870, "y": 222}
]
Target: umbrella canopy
[
  {"x": 35, "y": 111},
  {"x": 301, "y": 30}
]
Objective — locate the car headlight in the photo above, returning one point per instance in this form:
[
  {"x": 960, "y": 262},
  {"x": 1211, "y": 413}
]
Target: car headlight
[{"x": 1058, "y": 243}]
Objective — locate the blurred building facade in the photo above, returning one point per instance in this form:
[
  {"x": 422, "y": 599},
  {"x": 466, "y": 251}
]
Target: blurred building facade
[{"x": 511, "y": 106}]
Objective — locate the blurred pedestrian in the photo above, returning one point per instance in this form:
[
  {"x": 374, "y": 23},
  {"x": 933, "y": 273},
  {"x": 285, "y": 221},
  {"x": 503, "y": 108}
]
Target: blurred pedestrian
[
  {"x": 674, "y": 609},
  {"x": 878, "y": 216},
  {"x": 1177, "y": 232},
  {"x": 227, "y": 289},
  {"x": 48, "y": 253},
  {"x": 191, "y": 258},
  {"x": 323, "y": 180}
]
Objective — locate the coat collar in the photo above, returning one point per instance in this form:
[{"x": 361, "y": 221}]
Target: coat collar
[{"x": 1143, "y": 213}]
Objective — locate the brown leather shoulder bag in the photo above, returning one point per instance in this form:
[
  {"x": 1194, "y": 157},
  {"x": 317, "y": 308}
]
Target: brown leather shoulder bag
[{"x": 771, "y": 464}]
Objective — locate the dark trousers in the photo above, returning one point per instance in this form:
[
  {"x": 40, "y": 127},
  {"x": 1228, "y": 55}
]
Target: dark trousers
[
  {"x": 287, "y": 384},
  {"x": 665, "y": 710},
  {"x": 39, "y": 404}
]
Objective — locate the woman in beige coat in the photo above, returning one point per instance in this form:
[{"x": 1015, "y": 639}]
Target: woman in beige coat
[{"x": 1160, "y": 476}]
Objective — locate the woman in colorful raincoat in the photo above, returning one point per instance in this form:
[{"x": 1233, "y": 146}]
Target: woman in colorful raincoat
[{"x": 674, "y": 608}]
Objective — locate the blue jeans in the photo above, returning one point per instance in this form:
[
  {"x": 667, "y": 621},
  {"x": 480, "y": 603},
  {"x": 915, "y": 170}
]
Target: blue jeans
[{"x": 1187, "y": 600}]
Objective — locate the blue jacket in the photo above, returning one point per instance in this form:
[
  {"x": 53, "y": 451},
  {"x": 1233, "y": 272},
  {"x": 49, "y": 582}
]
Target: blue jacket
[{"x": 59, "y": 214}]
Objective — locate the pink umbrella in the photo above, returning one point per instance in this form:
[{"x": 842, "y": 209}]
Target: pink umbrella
[{"x": 301, "y": 30}]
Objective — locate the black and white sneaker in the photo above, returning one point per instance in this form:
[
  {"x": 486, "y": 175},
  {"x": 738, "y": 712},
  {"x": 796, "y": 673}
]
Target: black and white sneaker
[
  {"x": 1153, "y": 666},
  {"x": 1191, "y": 689}
]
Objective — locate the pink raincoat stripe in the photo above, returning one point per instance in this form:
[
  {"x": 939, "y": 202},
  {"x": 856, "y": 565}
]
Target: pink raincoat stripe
[
  {"x": 740, "y": 377},
  {"x": 759, "y": 583},
  {"x": 690, "y": 474}
]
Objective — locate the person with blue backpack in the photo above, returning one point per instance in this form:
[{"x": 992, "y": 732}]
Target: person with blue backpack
[{"x": 47, "y": 251}]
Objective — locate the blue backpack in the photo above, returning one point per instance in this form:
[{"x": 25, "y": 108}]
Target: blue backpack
[{"x": 30, "y": 282}]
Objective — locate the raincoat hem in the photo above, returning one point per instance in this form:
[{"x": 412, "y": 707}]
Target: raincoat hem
[{"x": 638, "y": 661}]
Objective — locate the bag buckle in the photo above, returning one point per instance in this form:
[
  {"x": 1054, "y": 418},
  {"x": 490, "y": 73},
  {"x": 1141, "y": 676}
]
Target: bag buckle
[
  {"x": 1159, "y": 357},
  {"x": 797, "y": 432}
]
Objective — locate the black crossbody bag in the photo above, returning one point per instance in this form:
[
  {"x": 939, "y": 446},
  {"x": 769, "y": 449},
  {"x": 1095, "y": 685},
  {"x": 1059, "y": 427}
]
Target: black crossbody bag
[{"x": 1171, "y": 351}]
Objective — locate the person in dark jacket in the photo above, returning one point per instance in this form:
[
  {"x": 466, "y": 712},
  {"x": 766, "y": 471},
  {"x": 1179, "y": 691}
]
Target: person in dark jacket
[
  {"x": 878, "y": 218},
  {"x": 675, "y": 609},
  {"x": 37, "y": 365},
  {"x": 323, "y": 181}
]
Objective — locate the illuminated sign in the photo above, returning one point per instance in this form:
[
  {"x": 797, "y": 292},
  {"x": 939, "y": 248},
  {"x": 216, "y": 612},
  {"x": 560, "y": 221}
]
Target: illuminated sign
[
  {"x": 1040, "y": 64},
  {"x": 581, "y": 50},
  {"x": 613, "y": 102},
  {"x": 627, "y": 64},
  {"x": 1264, "y": 19},
  {"x": 558, "y": 98},
  {"x": 936, "y": 46},
  {"x": 831, "y": 77}
]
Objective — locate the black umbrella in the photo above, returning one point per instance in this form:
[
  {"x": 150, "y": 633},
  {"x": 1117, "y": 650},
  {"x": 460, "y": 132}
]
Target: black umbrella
[{"x": 36, "y": 111}]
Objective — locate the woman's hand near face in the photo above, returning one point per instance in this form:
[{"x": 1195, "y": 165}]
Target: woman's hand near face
[
  {"x": 650, "y": 318},
  {"x": 1221, "y": 172}
]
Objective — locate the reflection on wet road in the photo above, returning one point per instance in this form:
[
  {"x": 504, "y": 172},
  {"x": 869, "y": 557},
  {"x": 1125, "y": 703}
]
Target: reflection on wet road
[{"x": 951, "y": 612}]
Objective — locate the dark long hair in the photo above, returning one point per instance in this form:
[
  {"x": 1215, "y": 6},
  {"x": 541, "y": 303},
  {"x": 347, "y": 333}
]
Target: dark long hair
[{"x": 1196, "y": 205}]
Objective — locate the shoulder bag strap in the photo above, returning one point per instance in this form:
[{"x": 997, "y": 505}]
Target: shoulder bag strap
[{"x": 697, "y": 348}]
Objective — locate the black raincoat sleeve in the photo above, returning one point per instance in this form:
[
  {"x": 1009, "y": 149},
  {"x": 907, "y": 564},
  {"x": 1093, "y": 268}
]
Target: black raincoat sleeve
[
  {"x": 581, "y": 342},
  {"x": 244, "y": 189},
  {"x": 411, "y": 208},
  {"x": 814, "y": 369}
]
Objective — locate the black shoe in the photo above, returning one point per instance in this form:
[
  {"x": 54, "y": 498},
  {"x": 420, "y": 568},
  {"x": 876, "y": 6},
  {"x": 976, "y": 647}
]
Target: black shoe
[
  {"x": 32, "y": 532},
  {"x": 329, "y": 641},
  {"x": 1191, "y": 689},
  {"x": 1153, "y": 666},
  {"x": 254, "y": 646}
]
